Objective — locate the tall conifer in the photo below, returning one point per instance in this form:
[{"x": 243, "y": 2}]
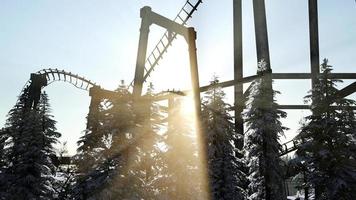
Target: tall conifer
[
  {"x": 226, "y": 178},
  {"x": 262, "y": 145},
  {"x": 327, "y": 154}
]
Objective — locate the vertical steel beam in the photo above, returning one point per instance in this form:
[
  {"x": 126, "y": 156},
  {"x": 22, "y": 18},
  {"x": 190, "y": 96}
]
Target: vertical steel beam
[
  {"x": 314, "y": 56},
  {"x": 314, "y": 40},
  {"x": 200, "y": 131},
  {"x": 194, "y": 70},
  {"x": 238, "y": 69},
  {"x": 93, "y": 114},
  {"x": 142, "y": 50},
  {"x": 259, "y": 12},
  {"x": 262, "y": 48}
]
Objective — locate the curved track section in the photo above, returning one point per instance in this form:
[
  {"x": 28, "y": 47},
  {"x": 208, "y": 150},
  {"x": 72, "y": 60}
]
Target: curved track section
[
  {"x": 45, "y": 77},
  {"x": 53, "y": 75}
]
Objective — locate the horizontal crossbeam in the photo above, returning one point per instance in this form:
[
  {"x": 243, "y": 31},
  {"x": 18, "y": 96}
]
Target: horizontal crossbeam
[
  {"x": 308, "y": 75},
  {"x": 347, "y": 90},
  {"x": 166, "y": 23},
  {"x": 107, "y": 94},
  {"x": 307, "y": 107},
  {"x": 277, "y": 76}
]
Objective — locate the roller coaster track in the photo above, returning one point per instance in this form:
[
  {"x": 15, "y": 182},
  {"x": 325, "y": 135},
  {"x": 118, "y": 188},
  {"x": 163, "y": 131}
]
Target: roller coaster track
[
  {"x": 290, "y": 146},
  {"x": 53, "y": 75},
  {"x": 185, "y": 13},
  {"x": 45, "y": 77},
  {"x": 80, "y": 82}
]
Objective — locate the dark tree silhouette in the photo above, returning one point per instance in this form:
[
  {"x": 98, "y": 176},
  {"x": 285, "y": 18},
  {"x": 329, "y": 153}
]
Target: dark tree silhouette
[
  {"x": 327, "y": 155},
  {"x": 262, "y": 140},
  {"x": 32, "y": 134},
  {"x": 226, "y": 177}
]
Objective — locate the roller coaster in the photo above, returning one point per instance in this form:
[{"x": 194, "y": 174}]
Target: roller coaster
[{"x": 145, "y": 65}]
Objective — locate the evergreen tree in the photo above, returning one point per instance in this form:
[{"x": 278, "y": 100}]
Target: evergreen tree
[
  {"x": 90, "y": 144},
  {"x": 328, "y": 151},
  {"x": 181, "y": 156},
  {"x": 65, "y": 174},
  {"x": 105, "y": 144},
  {"x": 120, "y": 124},
  {"x": 33, "y": 134},
  {"x": 226, "y": 178},
  {"x": 131, "y": 161},
  {"x": 3, "y": 162},
  {"x": 3, "y": 138},
  {"x": 147, "y": 162},
  {"x": 127, "y": 158},
  {"x": 262, "y": 139}
]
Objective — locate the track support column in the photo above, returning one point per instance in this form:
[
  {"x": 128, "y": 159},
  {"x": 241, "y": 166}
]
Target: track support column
[
  {"x": 200, "y": 130},
  {"x": 262, "y": 48},
  {"x": 259, "y": 12},
  {"x": 194, "y": 73},
  {"x": 238, "y": 71},
  {"x": 314, "y": 57},
  {"x": 93, "y": 115},
  {"x": 314, "y": 40},
  {"x": 142, "y": 50}
]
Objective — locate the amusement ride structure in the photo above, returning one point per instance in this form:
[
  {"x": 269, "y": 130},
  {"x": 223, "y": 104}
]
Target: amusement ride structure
[{"x": 145, "y": 65}]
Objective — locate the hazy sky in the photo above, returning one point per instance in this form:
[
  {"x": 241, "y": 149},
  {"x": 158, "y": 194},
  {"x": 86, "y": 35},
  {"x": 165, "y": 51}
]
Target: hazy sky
[{"x": 99, "y": 41}]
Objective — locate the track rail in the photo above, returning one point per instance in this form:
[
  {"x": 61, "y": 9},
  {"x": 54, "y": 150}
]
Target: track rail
[
  {"x": 77, "y": 81},
  {"x": 45, "y": 77},
  {"x": 290, "y": 146}
]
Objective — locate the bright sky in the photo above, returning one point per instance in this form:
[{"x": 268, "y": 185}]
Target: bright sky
[{"x": 99, "y": 41}]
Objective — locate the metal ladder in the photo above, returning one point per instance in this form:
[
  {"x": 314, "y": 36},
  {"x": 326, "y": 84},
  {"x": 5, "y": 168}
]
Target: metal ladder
[{"x": 166, "y": 40}]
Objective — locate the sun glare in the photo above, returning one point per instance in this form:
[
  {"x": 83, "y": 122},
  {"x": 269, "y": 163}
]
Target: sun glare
[{"x": 188, "y": 107}]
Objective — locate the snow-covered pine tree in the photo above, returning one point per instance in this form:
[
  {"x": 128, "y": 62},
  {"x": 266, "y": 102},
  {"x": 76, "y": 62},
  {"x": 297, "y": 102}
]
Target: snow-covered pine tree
[
  {"x": 108, "y": 140},
  {"x": 87, "y": 157},
  {"x": 226, "y": 178},
  {"x": 14, "y": 121},
  {"x": 147, "y": 159},
  {"x": 328, "y": 149},
  {"x": 262, "y": 139},
  {"x": 181, "y": 156},
  {"x": 4, "y": 136},
  {"x": 127, "y": 160},
  {"x": 65, "y": 174},
  {"x": 133, "y": 152},
  {"x": 3, "y": 162},
  {"x": 90, "y": 144},
  {"x": 33, "y": 134}
]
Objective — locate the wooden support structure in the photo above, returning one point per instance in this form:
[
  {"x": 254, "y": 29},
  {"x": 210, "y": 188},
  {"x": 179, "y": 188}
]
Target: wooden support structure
[
  {"x": 262, "y": 48},
  {"x": 259, "y": 13},
  {"x": 307, "y": 107},
  {"x": 149, "y": 17},
  {"x": 92, "y": 123},
  {"x": 314, "y": 40},
  {"x": 347, "y": 90},
  {"x": 309, "y": 75},
  {"x": 194, "y": 72},
  {"x": 314, "y": 55},
  {"x": 108, "y": 94},
  {"x": 238, "y": 69},
  {"x": 141, "y": 53}
]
